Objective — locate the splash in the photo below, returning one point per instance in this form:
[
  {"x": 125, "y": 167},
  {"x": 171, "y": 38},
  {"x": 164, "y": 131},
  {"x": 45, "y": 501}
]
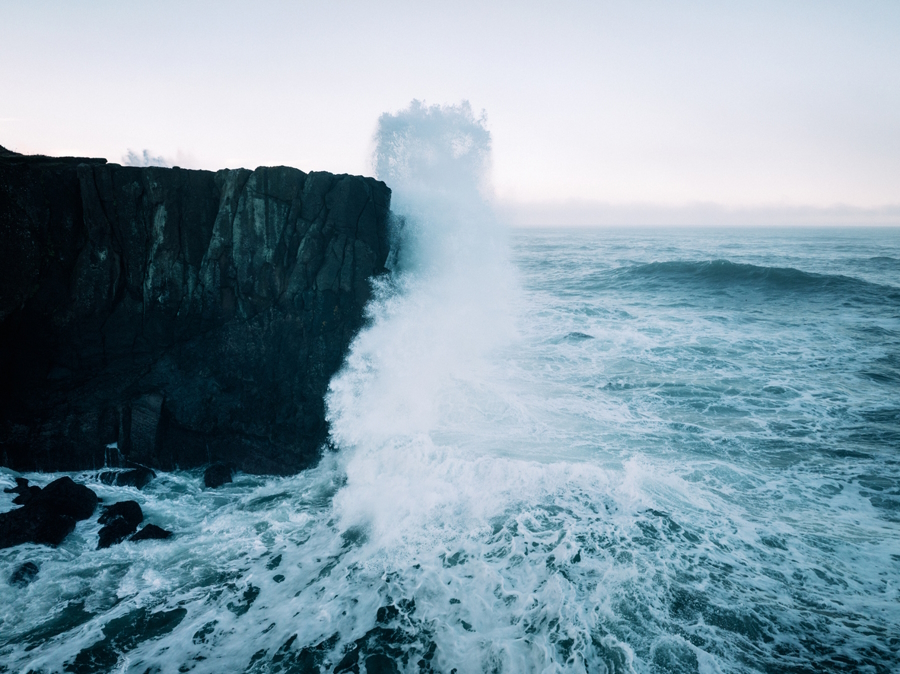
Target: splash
[
  {"x": 437, "y": 161},
  {"x": 145, "y": 158},
  {"x": 423, "y": 362}
]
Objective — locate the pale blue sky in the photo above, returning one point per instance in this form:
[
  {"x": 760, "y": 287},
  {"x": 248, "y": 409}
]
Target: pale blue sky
[{"x": 667, "y": 104}]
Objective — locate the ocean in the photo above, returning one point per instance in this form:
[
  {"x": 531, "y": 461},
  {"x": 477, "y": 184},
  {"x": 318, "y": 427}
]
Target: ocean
[{"x": 552, "y": 450}]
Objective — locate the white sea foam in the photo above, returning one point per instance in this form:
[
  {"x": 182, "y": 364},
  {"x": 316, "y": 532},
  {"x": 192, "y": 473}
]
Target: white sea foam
[{"x": 436, "y": 324}]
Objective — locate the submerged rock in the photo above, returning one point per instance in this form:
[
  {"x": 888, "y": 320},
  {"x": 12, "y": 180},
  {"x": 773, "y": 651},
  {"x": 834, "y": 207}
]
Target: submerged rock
[
  {"x": 49, "y": 516},
  {"x": 187, "y": 316},
  {"x": 217, "y": 475},
  {"x": 24, "y": 574},
  {"x": 138, "y": 477},
  {"x": 151, "y": 532},
  {"x": 578, "y": 336},
  {"x": 121, "y": 520}
]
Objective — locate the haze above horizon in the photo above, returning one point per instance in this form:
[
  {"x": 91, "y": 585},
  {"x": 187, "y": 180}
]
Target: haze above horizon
[{"x": 670, "y": 113}]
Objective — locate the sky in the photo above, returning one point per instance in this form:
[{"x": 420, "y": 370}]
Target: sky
[{"x": 600, "y": 112}]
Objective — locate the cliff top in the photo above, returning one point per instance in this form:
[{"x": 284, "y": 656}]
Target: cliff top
[{"x": 10, "y": 157}]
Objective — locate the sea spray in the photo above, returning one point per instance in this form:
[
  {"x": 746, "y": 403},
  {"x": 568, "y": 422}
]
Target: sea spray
[{"x": 434, "y": 324}]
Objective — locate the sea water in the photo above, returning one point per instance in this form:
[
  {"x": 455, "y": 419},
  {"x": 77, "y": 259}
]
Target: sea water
[{"x": 552, "y": 450}]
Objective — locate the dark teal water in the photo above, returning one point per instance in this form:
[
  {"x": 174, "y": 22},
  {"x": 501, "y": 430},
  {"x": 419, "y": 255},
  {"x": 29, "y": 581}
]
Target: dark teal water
[{"x": 605, "y": 450}]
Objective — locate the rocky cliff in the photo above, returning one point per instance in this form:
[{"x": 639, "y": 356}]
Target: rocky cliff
[{"x": 187, "y": 316}]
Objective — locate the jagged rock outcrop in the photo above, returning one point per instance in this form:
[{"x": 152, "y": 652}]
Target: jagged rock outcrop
[
  {"x": 138, "y": 477},
  {"x": 119, "y": 521},
  {"x": 188, "y": 316},
  {"x": 49, "y": 516},
  {"x": 151, "y": 532}
]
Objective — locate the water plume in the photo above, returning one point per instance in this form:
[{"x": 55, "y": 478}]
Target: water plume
[{"x": 432, "y": 323}]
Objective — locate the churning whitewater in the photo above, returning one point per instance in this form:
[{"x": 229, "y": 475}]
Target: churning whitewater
[{"x": 551, "y": 451}]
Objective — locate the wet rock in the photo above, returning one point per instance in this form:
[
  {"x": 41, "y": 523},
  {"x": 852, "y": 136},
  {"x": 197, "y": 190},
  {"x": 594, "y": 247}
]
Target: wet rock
[
  {"x": 128, "y": 510},
  {"x": 49, "y": 516},
  {"x": 35, "y": 526},
  {"x": 151, "y": 532},
  {"x": 26, "y": 496},
  {"x": 121, "y": 520},
  {"x": 21, "y": 483},
  {"x": 138, "y": 477},
  {"x": 24, "y": 574},
  {"x": 25, "y": 493},
  {"x": 189, "y": 317},
  {"x": 65, "y": 495},
  {"x": 115, "y": 532},
  {"x": 217, "y": 475}
]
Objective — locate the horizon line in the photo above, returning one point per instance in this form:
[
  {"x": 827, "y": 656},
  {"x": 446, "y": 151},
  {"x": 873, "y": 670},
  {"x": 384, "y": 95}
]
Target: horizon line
[{"x": 585, "y": 213}]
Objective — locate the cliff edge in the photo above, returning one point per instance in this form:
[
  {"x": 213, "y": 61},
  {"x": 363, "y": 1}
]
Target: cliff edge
[{"x": 186, "y": 316}]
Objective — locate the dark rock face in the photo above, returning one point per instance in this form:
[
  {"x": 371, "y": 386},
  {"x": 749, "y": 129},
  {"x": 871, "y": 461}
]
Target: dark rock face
[
  {"x": 187, "y": 316},
  {"x": 49, "y": 516},
  {"x": 138, "y": 477},
  {"x": 24, "y": 574},
  {"x": 151, "y": 532},
  {"x": 216, "y": 475},
  {"x": 120, "y": 520}
]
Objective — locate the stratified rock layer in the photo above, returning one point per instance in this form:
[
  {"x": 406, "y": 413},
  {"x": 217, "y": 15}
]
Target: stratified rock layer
[{"x": 187, "y": 316}]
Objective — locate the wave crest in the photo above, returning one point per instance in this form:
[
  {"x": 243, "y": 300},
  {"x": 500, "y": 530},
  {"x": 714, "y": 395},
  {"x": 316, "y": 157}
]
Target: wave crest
[{"x": 724, "y": 273}]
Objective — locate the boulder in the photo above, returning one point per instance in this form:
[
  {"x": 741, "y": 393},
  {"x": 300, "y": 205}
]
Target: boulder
[
  {"x": 24, "y": 574},
  {"x": 138, "y": 477},
  {"x": 151, "y": 532},
  {"x": 217, "y": 475},
  {"x": 49, "y": 516},
  {"x": 65, "y": 495},
  {"x": 121, "y": 520}
]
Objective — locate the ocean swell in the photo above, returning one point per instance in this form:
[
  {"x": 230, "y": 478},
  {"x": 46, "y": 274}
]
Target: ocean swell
[{"x": 711, "y": 274}]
